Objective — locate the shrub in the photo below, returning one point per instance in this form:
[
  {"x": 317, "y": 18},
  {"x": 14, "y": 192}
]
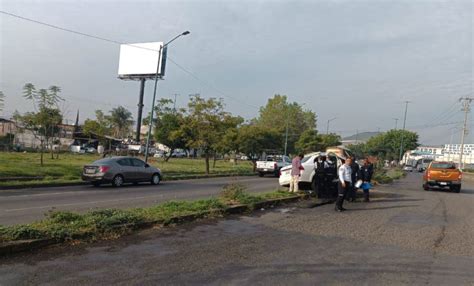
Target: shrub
[
  {"x": 17, "y": 232},
  {"x": 235, "y": 194}
]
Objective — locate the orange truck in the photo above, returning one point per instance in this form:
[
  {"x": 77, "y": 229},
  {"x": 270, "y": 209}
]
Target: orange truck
[{"x": 442, "y": 175}]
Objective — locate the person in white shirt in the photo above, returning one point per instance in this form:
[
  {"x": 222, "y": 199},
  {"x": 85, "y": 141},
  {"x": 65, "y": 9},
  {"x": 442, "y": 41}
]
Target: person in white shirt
[{"x": 345, "y": 183}]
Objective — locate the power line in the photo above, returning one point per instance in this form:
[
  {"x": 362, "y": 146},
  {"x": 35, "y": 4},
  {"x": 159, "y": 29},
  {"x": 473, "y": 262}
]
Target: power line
[
  {"x": 208, "y": 84},
  {"x": 61, "y": 28},
  {"x": 121, "y": 43}
]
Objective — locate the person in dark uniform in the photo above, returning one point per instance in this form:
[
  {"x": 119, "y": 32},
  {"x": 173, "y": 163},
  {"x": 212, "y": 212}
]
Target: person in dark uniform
[
  {"x": 321, "y": 177},
  {"x": 344, "y": 184},
  {"x": 366, "y": 172},
  {"x": 351, "y": 196}
]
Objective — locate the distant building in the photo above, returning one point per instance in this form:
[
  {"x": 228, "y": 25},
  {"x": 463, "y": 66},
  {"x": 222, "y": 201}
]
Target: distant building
[
  {"x": 449, "y": 152},
  {"x": 455, "y": 149},
  {"x": 7, "y": 127}
]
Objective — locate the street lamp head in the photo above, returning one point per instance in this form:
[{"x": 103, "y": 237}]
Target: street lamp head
[{"x": 185, "y": 33}]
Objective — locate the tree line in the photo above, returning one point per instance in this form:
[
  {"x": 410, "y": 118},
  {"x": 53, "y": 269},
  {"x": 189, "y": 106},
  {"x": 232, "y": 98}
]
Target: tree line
[
  {"x": 204, "y": 125},
  {"x": 386, "y": 146}
]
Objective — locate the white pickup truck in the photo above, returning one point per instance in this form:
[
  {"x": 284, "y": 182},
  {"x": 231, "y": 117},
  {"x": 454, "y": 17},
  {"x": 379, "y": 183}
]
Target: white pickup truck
[{"x": 272, "y": 165}]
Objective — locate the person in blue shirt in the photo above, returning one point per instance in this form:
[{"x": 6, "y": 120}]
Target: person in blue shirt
[{"x": 365, "y": 174}]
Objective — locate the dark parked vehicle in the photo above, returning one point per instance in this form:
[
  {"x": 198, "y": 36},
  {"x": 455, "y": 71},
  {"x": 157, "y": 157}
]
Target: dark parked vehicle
[{"x": 120, "y": 170}]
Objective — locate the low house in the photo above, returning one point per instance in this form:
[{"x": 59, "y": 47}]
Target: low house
[{"x": 7, "y": 127}]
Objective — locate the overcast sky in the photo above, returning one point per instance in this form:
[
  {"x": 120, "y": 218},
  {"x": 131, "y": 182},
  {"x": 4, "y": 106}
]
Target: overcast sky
[{"x": 354, "y": 60}]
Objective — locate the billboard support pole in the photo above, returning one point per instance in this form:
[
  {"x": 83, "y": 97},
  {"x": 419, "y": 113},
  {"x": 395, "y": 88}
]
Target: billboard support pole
[{"x": 140, "y": 110}]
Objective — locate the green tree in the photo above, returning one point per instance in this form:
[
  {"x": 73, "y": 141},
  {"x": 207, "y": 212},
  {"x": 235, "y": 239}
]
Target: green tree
[
  {"x": 204, "y": 124},
  {"x": 120, "y": 120},
  {"x": 42, "y": 97},
  {"x": 253, "y": 140},
  {"x": 228, "y": 134},
  {"x": 359, "y": 150},
  {"x": 168, "y": 126},
  {"x": 44, "y": 123},
  {"x": 309, "y": 141},
  {"x": 93, "y": 127},
  {"x": 278, "y": 114},
  {"x": 329, "y": 140},
  {"x": 387, "y": 145}
]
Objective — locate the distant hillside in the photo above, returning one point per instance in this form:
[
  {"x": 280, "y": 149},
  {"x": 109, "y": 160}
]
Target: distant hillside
[{"x": 364, "y": 136}]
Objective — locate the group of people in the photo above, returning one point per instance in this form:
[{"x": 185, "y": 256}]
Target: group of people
[{"x": 350, "y": 177}]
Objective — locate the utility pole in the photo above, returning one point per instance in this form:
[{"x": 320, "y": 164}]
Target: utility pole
[
  {"x": 174, "y": 102},
  {"x": 404, "y": 125},
  {"x": 286, "y": 137},
  {"x": 396, "y": 123},
  {"x": 327, "y": 126},
  {"x": 466, "y": 101}
]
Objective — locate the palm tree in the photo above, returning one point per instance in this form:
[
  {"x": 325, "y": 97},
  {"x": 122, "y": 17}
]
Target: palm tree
[{"x": 121, "y": 120}]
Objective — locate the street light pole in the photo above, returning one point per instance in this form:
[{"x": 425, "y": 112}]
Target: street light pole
[
  {"x": 327, "y": 126},
  {"x": 150, "y": 124},
  {"x": 396, "y": 123},
  {"x": 403, "y": 131}
]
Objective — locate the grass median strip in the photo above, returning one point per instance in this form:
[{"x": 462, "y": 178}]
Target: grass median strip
[
  {"x": 68, "y": 168},
  {"x": 111, "y": 223},
  {"x": 382, "y": 176}
]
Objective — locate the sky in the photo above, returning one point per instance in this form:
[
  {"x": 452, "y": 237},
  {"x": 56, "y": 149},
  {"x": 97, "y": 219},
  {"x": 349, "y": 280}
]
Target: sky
[{"x": 356, "y": 61}]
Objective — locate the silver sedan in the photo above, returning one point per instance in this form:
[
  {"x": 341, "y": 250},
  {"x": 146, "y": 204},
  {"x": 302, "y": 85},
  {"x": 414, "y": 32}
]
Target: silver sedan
[{"x": 120, "y": 170}]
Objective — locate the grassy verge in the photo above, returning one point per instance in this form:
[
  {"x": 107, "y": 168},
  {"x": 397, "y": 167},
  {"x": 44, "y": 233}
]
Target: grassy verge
[
  {"x": 68, "y": 168},
  {"x": 112, "y": 223},
  {"x": 383, "y": 176}
]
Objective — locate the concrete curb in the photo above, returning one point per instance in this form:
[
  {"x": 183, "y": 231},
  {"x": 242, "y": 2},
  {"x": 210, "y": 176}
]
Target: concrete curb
[
  {"x": 14, "y": 247},
  {"x": 53, "y": 185}
]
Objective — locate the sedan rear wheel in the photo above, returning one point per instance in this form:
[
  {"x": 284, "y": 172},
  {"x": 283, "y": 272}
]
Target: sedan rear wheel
[
  {"x": 155, "y": 179},
  {"x": 117, "y": 181}
]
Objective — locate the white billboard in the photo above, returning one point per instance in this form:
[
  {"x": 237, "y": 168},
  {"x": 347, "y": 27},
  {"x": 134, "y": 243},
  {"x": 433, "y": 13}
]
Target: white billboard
[{"x": 139, "y": 60}]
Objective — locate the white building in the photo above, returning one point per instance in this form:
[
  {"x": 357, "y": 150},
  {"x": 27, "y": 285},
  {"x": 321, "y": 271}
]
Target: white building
[
  {"x": 449, "y": 152},
  {"x": 452, "y": 152}
]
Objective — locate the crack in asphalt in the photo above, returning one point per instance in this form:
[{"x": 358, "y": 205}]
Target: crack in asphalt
[{"x": 442, "y": 233}]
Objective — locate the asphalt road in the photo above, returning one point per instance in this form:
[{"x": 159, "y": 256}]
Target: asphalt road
[
  {"x": 405, "y": 236},
  {"x": 27, "y": 205}
]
